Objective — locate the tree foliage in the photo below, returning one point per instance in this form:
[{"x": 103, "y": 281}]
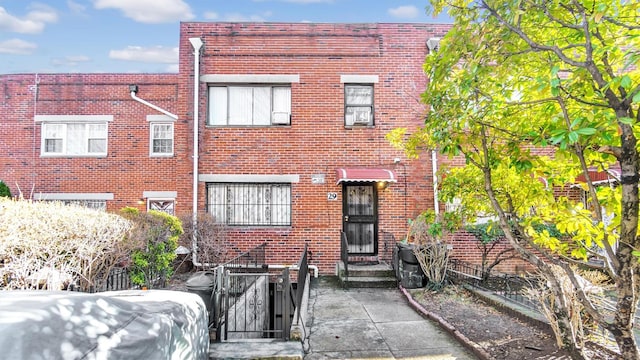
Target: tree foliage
[{"x": 535, "y": 96}]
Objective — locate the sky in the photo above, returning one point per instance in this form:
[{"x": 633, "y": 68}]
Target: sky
[{"x": 141, "y": 36}]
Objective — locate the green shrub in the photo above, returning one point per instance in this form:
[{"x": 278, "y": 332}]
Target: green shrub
[
  {"x": 4, "y": 190},
  {"x": 156, "y": 234}
]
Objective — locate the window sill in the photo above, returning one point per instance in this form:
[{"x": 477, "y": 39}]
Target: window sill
[{"x": 60, "y": 156}]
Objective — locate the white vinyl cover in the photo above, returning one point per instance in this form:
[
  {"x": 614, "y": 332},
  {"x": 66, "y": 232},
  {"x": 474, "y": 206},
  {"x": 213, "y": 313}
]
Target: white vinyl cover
[{"x": 133, "y": 324}]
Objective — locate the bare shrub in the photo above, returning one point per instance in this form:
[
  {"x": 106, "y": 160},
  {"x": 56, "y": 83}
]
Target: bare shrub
[
  {"x": 428, "y": 232},
  {"x": 212, "y": 239},
  {"x": 48, "y": 245},
  {"x": 581, "y": 326}
]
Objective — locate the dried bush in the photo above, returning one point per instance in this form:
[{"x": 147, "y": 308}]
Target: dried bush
[
  {"x": 212, "y": 240},
  {"x": 428, "y": 232},
  {"x": 47, "y": 245}
]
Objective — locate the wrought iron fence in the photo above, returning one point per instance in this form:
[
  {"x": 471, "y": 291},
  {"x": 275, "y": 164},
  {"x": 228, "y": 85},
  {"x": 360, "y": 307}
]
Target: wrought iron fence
[
  {"x": 303, "y": 272},
  {"x": 252, "y": 260},
  {"x": 344, "y": 253}
]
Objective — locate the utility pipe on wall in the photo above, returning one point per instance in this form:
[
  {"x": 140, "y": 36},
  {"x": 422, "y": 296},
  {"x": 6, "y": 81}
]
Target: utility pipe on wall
[
  {"x": 197, "y": 45},
  {"x": 133, "y": 89}
]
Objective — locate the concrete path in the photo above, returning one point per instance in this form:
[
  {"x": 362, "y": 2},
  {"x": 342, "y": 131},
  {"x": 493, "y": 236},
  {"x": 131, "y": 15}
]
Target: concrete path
[{"x": 372, "y": 324}]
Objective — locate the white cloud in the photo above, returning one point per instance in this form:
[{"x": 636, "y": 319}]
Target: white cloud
[
  {"x": 237, "y": 17},
  {"x": 308, "y": 1},
  {"x": 154, "y": 54},
  {"x": 210, "y": 15},
  {"x": 32, "y": 23},
  {"x": 173, "y": 68},
  {"x": 149, "y": 11},
  {"x": 75, "y": 7},
  {"x": 70, "y": 60},
  {"x": 17, "y": 47},
  {"x": 405, "y": 12}
]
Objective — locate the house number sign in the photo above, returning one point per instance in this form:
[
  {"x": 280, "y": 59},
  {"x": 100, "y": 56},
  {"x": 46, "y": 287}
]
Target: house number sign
[{"x": 332, "y": 196}]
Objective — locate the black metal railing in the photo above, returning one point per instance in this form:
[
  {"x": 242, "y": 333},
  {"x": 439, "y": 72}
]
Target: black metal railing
[
  {"x": 459, "y": 270},
  {"x": 252, "y": 260},
  {"x": 514, "y": 288},
  {"x": 511, "y": 287},
  {"x": 250, "y": 300},
  {"x": 344, "y": 253},
  {"x": 117, "y": 279},
  {"x": 303, "y": 272}
]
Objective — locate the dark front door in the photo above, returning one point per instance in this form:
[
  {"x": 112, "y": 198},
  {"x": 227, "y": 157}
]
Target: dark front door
[{"x": 360, "y": 218}]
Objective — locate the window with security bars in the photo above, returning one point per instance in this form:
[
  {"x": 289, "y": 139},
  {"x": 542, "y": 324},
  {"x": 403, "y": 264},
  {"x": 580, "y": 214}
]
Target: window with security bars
[
  {"x": 100, "y": 205},
  {"x": 250, "y": 204},
  {"x": 79, "y": 139},
  {"x": 162, "y": 139}
]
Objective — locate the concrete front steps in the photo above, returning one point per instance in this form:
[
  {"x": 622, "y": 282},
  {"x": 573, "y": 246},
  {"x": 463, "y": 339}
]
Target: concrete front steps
[{"x": 362, "y": 275}]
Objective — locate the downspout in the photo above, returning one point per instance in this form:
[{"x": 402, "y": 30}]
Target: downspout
[
  {"x": 434, "y": 165},
  {"x": 197, "y": 45},
  {"x": 134, "y": 89},
  {"x": 433, "y": 44}
]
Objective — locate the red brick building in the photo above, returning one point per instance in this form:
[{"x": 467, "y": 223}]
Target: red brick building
[{"x": 289, "y": 144}]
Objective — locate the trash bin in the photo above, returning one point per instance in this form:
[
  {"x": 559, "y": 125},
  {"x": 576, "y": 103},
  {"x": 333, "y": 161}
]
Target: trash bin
[
  {"x": 202, "y": 283},
  {"x": 410, "y": 272}
]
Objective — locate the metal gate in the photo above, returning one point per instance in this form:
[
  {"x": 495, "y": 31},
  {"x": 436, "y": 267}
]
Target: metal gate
[{"x": 252, "y": 305}]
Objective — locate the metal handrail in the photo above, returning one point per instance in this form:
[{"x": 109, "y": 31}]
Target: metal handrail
[
  {"x": 303, "y": 272},
  {"x": 344, "y": 253}
]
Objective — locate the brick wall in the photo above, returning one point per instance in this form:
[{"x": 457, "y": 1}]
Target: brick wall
[
  {"x": 317, "y": 141},
  {"x": 126, "y": 171}
]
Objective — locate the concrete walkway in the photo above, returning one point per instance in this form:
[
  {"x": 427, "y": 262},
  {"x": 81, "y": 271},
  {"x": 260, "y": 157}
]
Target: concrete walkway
[{"x": 372, "y": 324}]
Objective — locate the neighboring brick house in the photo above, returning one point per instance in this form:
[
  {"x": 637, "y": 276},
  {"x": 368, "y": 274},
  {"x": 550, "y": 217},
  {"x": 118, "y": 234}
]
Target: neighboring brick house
[{"x": 291, "y": 145}]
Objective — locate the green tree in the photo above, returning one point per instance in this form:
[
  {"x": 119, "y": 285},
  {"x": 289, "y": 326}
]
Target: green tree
[{"x": 534, "y": 94}]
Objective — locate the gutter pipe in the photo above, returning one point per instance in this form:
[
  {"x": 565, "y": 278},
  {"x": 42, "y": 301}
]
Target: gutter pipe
[
  {"x": 134, "y": 89},
  {"x": 197, "y": 45}
]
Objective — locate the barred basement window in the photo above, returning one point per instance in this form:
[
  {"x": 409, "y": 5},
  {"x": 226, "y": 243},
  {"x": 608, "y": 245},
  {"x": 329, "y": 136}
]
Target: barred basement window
[
  {"x": 100, "y": 205},
  {"x": 250, "y": 204}
]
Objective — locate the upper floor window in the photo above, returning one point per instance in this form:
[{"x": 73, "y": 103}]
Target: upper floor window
[
  {"x": 358, "y": 105},
  {"x": 73, "y": 135},
  {"x": 161, "y": 135},
  {"x": 250, "y": 105}
]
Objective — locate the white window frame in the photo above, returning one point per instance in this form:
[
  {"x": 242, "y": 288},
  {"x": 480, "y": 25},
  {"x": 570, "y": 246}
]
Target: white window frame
[
  {"x": 160, "y": 120},
  {"x": 358, "y": 114},
  {"x": 275, "y": 109},
  {"x": 65, "y": 123}
]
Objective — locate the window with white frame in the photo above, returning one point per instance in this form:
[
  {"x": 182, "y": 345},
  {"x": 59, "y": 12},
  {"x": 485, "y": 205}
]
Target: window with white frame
[
  {"x": 161, "y": 142},
  {"x": 250, "y": 204},
  {"x": 249, "y": 105},
  {"x": 358, "y": 105},
  {"x": 74, "y": 135}
]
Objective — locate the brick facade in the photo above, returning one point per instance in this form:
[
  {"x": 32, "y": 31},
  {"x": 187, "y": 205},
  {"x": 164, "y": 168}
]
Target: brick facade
[{"x": 316, "y": 142}]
